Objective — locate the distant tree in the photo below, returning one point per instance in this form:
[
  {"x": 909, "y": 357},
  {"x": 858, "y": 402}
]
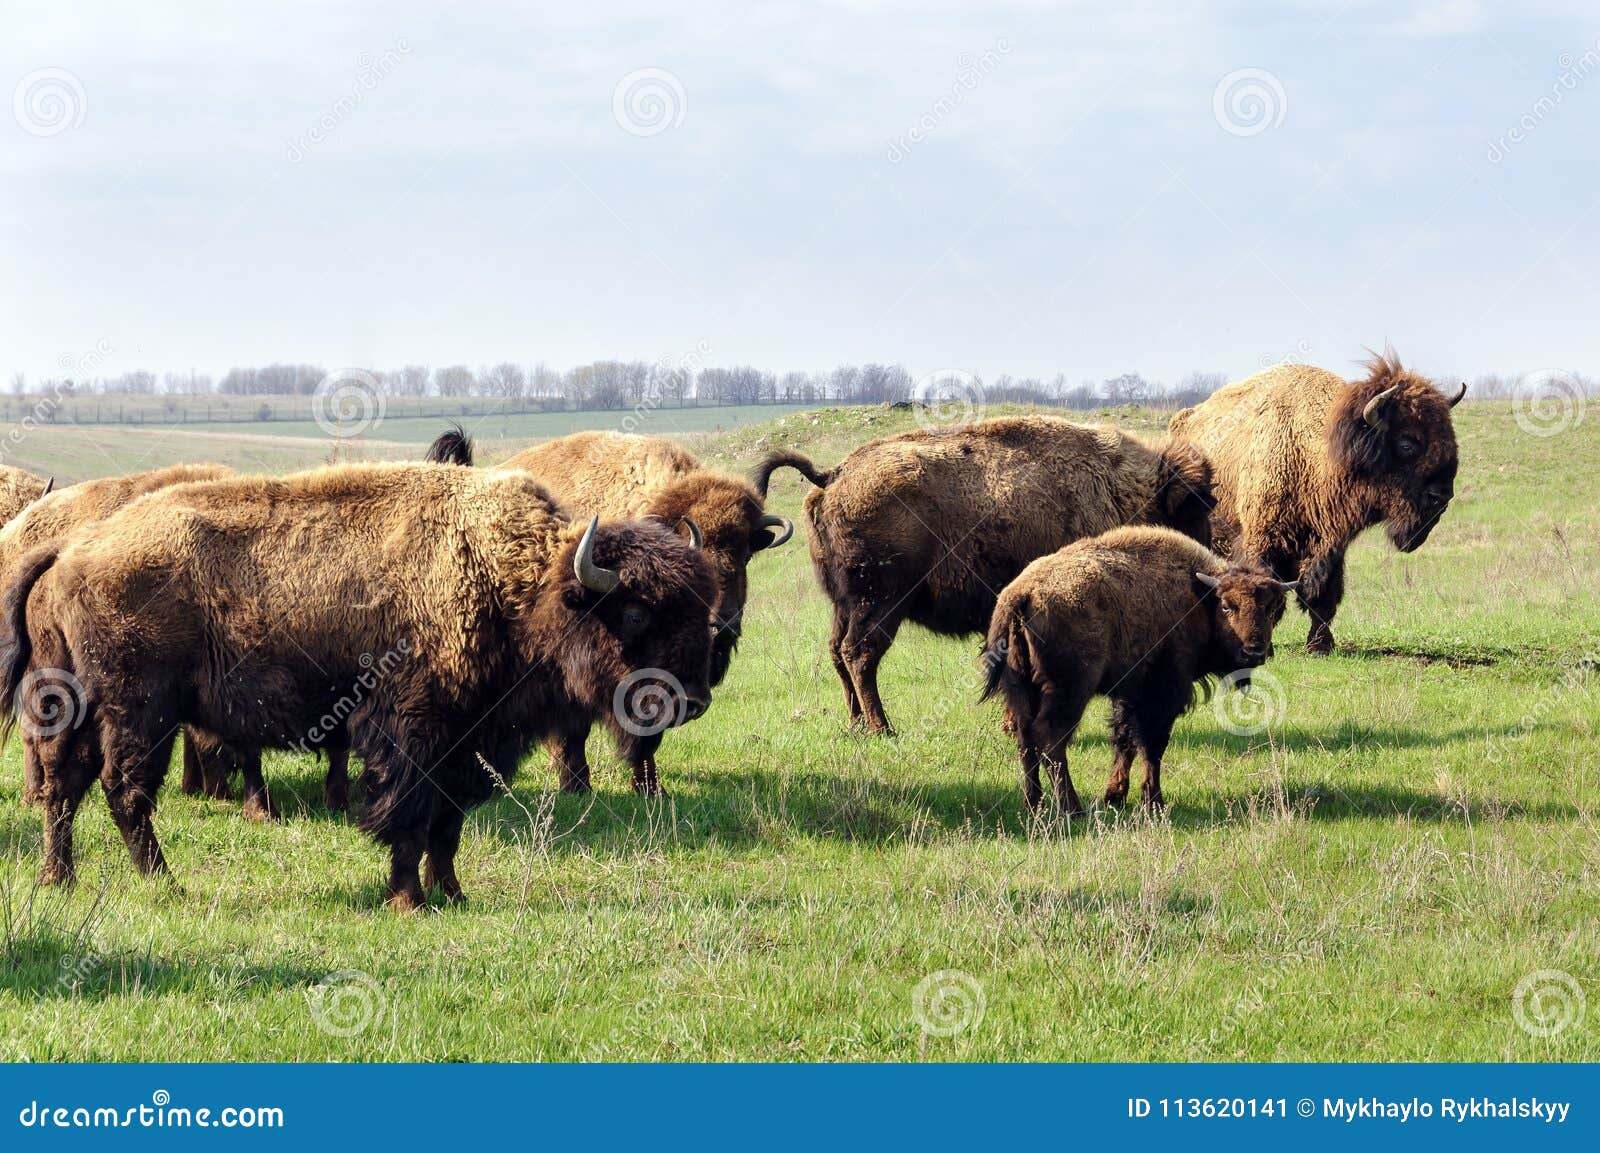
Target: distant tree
[
  {"x": 456, "y": 380},
  {"x": 19, "y": 383},
  {"x": 505, "y": 379},
  {"x": 1129, "y": 388}
]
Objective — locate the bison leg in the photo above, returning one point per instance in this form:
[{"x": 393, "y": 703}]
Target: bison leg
[
  {"x": 405, "y": 889},
  {"x": 68, "y": 765},
  {"x": 1124, "y": 743},
  {"x": 132, "y": 774},
  {"x": 1321, "y": 590},
  {"x": 258, "y": 804},
  {"x": 1059, "y": 714},
  {"x": 444, "y": 838},
  {"x": 32, "y": 777},
  {"x": 336, "y": 784},
  {"x": 640, "y": 752},
  {"x": 852, "y": 703},
  {"x": 867, "y": 638},
  {"x": 569, "y": 755},
  {"x": 1154, "y": 715},
  {"x": 207, "y": 764}
]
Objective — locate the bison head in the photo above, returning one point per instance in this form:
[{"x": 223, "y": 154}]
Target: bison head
[
  {"x": 1184, "y": 498},
  {"x": 1246, "y": 605},
  {"x": 1393, "y": 438},
  {"x": 731, "y": 526},
  {"x": 629, "y": 631}
]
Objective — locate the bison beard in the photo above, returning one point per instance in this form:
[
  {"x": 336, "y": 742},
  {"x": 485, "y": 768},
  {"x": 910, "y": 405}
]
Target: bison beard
[
  {"x": 1139, "y": 615},
  {"x": 1305, "y": 461},
  {"x": 279, "y": 593},
  {"x": 928, "y": 526}
]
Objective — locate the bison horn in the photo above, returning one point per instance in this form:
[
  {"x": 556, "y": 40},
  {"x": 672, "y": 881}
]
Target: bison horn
[
  {"x": 1289, "y": 586},
  {"x": 695, "y": 539},
  {"x": 768, "y": 520},
  {"x": 48, "y": 485},
  {"x": 590, "y": 575},
  {"x": 1207, "y": 579},
  {"x": 1373, "y": 413},
  {"x": 1456, "y": 399}
]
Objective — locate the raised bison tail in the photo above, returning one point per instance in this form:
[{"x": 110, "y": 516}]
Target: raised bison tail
[
  {"x": 15, "y": 646},
  {"x": 788, "y": 458},
  {"x": 1008, "y": 645},
  {"x": 454, "y": 446}
]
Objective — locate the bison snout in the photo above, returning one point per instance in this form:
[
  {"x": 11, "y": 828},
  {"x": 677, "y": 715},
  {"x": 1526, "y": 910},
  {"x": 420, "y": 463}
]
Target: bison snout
[
  {"x": 695, "y": 706},
  {"x": 1434, "y": 498},
  {"x": 1256, "y": 653}
]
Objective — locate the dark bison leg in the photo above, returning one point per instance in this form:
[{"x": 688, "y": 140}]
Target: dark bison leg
[
  {"x": 32, "y": 777},
  {"x": 336, "y": 783},
  {"x": 68, "y": 764},
  {"x": 444, "y": 838},
  {"x": 258, "y": 804},
  {"x": 1321, "y": 590},
  {"x": 569, "y": 755},
  {"x": 1156, "y": 711},
  {"x": 405, "y": 889},
  {"x": 852, "y": 703},
  {"x": 1124, "y": 743},
  {"x": 208, "y": 764},
  {"x": 1021, "y": 707},
  {"x": 135, "y": 764},
  {"x": 640, "y": 753},
  {"x": 868, "y": 636},
  {"x": 1060, "y": 710}
]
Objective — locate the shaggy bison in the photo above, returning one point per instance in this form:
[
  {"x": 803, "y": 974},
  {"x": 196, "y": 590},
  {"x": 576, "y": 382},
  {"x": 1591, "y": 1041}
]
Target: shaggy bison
[
  {"x": 1304, "y": 461},
  {"x": 615, "y": 475},
  {"x": 1138, "y": 615},
  {"x": 445, "y": 617},
  {"x": 929, "y": 526},
  {"x": 19, "y": 489},
  {"x": 50, "y": 520}
]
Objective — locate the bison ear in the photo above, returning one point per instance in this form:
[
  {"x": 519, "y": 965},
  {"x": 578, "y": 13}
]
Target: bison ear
[{"x": 1357, "y": 440}]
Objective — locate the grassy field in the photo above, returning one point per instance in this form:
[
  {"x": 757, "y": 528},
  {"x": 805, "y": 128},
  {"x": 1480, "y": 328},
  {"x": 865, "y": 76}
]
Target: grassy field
[{"x": 1368, "y": 878}]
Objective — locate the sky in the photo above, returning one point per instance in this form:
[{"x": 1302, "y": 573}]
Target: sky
[{"x": 994, "y": 188}]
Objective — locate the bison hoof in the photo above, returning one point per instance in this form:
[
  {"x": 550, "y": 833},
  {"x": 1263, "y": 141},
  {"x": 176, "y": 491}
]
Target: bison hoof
[
  {"x": 1319, "y": 644},
  {"x": 1116, "y": 798},
  {"x": 336, "y": 804},
  {"x": 29, "y": 800},
  {"x": 57, "y": 875},
  {"x": 1155, "y": 803},
  {"x": 406, "y": 901},
  {"x": 256, "y": 809},
  {"x": 576, "y": 786}
]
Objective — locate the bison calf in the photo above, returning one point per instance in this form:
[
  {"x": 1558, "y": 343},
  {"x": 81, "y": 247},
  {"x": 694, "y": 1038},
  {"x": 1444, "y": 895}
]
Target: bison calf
[{"x": 1138, "y": 615}]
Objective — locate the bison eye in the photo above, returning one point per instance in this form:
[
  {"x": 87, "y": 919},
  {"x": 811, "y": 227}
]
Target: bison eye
[
  {"x": 1227, "y": 610},
  {"x": 1407, "y": 447},
  {"x": 635, "y": 617}
]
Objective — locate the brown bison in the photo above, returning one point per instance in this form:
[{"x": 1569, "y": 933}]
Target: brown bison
[
  {"x": 619, "y": 475},
  {"x": 49, "y": 520},
  {"x": 929, "y": 526},
  {"x": 19, "y": 489},
  {"x": 1138, "y": 615},
  {"x": 445, "y": 617},
  {"x": 1304, "y": 460}
]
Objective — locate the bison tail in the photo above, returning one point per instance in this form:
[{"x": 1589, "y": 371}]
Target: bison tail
[
  {"x": 788, "y": 458},
  {"x": 1008, "y": 645},
  {"x": 454, "y": 446},
  {"x": 15, "y": 646}
]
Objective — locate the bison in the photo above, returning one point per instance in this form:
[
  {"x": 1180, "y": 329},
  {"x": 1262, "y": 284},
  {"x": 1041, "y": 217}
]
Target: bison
[
  {"x": 612, "y": 474},
  {"x": 19, "y": 489},
  {"x": 1138, "y": 615},
  {"x": 51, "y": 519},
  {"x": 445, "y": 617},
  {"x": 929, "y": 526},
  {"x": 1304, "y": 461}
]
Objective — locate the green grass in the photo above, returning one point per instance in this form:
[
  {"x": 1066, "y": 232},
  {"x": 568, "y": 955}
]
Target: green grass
[{"x": 1369, "y": 878}]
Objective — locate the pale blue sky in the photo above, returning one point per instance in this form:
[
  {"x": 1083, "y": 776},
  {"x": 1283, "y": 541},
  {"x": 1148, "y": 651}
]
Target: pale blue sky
[{"x": 1078, "y": 205}]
